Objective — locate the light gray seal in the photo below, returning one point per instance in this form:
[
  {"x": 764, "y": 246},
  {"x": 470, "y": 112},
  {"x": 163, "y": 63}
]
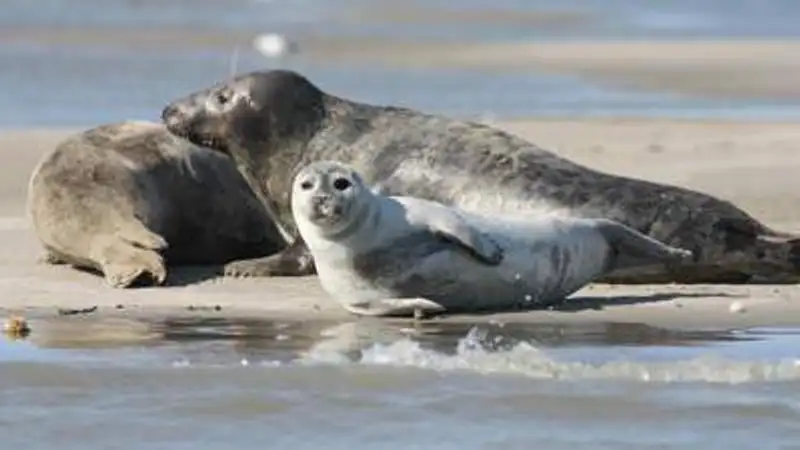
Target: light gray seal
[
  {"x": 274, "y": 122},
  {"x": 394, "y": 256},
  {"x": 128, "y": 199}
]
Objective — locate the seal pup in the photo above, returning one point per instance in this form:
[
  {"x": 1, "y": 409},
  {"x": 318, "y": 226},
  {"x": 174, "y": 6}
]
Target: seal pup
[
  {"x": 396, "y": 256},
  {"x": 274, "y": 122},
  {"x": 129, "y": 198}
]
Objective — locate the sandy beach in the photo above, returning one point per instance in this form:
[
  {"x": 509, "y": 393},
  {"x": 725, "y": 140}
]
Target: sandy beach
[
  {"x": 754, "y": 69},
  {"x": 749, "y": 163}
]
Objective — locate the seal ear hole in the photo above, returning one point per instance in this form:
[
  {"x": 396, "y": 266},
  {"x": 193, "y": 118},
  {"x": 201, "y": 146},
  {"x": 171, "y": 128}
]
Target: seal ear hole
[
  {"x": 222, "y": 97},
  {"x": 306, "y": 185},
  {"x": 341, "y": 184}
]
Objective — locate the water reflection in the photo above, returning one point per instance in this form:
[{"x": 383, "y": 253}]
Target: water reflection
[{"x": 286, "y": 340}]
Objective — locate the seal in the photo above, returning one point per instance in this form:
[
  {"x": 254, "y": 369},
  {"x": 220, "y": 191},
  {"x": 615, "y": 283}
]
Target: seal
[
  {"x": 128, "y": 199},
  {"x": 274, "y": 122},
  {"x": 396, "y": 256}
]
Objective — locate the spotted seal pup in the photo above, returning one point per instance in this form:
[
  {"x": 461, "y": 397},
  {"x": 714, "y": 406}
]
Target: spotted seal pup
[
  {"x": 389, "y": 256},
  {"x": 129, "y": 198},
  {"x": 274, "y": 122}
]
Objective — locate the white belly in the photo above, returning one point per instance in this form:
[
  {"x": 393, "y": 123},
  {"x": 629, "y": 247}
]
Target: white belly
[
  {"x": 543, "y": 263},
  {"x": 540, "y": 270}
]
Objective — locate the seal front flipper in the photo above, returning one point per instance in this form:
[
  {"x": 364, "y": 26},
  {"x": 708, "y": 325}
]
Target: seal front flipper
[
  {"x": 396, "y": 307},
  {"x": 136, "y": 233},
  {"x": 124, "y": 263},
  {"x": 449, "y": 225},
  {"x": 293, "y": 261},
  {"x": 50, "y": 258}
]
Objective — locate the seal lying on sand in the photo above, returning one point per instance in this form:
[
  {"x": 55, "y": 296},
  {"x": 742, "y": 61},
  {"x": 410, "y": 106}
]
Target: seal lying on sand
[
  {"x": 122, "y": 198},
  {"x": 389, "y": 256},
  {"x": 274, "y": 122}
]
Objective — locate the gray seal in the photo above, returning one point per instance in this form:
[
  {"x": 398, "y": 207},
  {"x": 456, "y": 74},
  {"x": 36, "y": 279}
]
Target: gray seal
[
  {"x": 128, "y": 199},
  {"x": 401, "y": 256},
  {"x": 274, "y": 122}
]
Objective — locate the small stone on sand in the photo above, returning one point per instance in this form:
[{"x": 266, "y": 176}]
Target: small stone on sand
[
  {"x": 16, "y": 327},
  {"x": 737, "y": 307}
]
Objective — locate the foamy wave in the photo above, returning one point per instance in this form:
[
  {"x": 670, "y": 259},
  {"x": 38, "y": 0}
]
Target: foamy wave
[{"x": 525, "y": 359}]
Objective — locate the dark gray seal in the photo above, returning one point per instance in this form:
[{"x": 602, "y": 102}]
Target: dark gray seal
[
  {"x": 274, "y": 122},
  {"x": 127, "y": 199},
  {"x": 401, "y": 256}
]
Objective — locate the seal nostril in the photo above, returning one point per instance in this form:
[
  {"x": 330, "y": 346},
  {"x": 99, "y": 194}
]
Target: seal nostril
[{"x": 169, "y": 114}]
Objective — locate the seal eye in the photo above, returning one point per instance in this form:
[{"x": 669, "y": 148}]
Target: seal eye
[
  {"x": 341, "y": 184},
  {"x": 222, "y": 97},
  {"x": 306, "y": 185}
]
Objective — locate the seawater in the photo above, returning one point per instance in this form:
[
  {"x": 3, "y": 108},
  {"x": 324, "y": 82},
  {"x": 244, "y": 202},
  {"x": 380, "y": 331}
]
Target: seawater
[{"x": 219, "y": 384}]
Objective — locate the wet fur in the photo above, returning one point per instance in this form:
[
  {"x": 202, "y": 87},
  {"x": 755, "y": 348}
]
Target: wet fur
[
  {"x": 129, "y": 198},
  {"x": 282, "y": 121}
]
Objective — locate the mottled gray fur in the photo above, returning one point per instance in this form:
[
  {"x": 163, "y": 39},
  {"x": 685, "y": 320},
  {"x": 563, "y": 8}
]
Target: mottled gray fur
[
  {"x": 129, "y": 198},
  {"x": 392, "y": 256},
  {"x": 274, "y": 122}
]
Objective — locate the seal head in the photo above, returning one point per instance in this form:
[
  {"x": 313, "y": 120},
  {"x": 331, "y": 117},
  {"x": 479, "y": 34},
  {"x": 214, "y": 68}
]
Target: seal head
[
  {"x": 260, "y": 119},
  {"x": 252, "y": 111},
  {"x": 329, "y": 196}
]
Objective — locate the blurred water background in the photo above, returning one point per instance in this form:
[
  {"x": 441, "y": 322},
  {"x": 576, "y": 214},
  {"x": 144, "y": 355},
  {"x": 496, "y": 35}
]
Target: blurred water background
[{"x": 80, "y": 62}]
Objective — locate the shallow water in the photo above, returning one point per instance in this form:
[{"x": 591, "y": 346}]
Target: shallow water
[{"x": 214, "y": 384}]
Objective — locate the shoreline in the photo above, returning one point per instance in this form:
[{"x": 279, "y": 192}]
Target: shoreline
[
  {"x": 695, "y": 309},
  {"x": 671, "y": 306},
  {"x": 751, "y": 164}
]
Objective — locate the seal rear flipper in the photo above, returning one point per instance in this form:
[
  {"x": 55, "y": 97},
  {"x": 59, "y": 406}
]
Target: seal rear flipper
[
  {"x": 416, "y": 307},
  {"x": 779, "y": 239},
  {"x": 48, "y": 257},
  {"x": 781, "y": 254},
  {"x": 633, "y": 249},
  {"x": 767, "y": 256},
  {"x": 293, "y": 261}
]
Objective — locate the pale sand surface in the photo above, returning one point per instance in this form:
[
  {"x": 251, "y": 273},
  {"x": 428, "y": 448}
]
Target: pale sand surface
[
  {"x": 763, "y": 69},
  {"x": 753, "y": 164}
]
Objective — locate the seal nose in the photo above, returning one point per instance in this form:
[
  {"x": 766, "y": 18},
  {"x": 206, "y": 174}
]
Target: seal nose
[
  {"x": 320, "y": 200},
  {"x": 325, "y": 205}
]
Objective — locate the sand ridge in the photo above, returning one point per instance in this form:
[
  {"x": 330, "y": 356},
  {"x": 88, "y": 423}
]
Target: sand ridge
[{"x": 749, "y": 163}]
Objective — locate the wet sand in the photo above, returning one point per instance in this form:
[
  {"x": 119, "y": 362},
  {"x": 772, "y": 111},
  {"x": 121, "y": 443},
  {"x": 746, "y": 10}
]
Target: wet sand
[
  {"x": 760, "y": 69},
  {"x": 749, "y": 163}
]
